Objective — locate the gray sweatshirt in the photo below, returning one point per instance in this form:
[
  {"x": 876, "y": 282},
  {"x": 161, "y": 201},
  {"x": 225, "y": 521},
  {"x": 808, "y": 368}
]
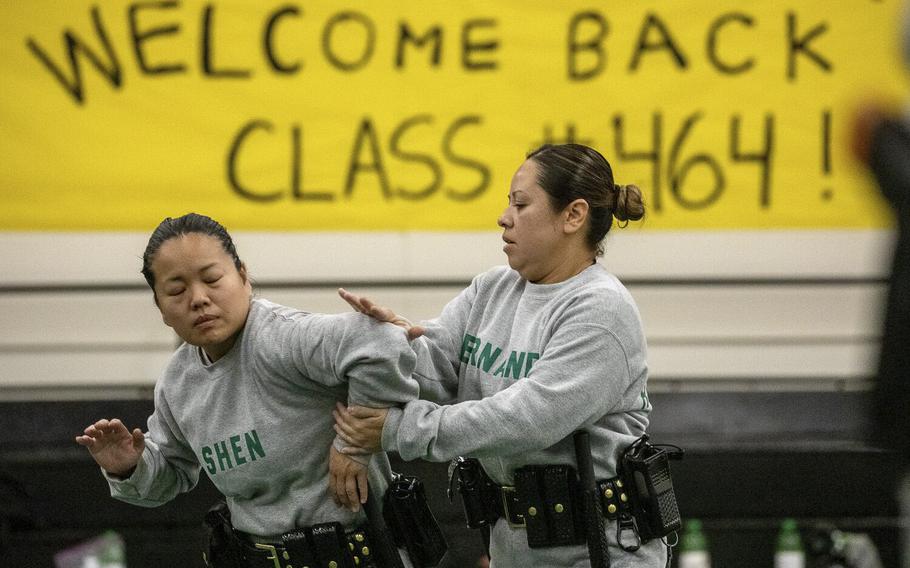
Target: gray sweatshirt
[
  {"x": 259, "y": 420},
  {"x": 527, "y": 364}
]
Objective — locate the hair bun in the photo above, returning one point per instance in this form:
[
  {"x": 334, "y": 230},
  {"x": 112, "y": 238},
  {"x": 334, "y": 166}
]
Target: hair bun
[{"x": 627, "y": 203}]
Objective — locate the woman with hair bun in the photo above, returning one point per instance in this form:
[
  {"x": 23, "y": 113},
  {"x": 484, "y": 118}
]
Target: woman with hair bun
[{"x": 529, "y": 354}]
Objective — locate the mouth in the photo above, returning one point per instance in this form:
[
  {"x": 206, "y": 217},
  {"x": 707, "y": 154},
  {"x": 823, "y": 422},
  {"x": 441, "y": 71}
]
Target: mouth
[
  {"x": 507, "y": 241},
  {"x": 203, "y": 319}
]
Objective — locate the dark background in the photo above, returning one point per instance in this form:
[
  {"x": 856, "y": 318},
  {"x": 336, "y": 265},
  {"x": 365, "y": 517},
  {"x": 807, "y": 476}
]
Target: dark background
[{"x": 751, "y": 459}]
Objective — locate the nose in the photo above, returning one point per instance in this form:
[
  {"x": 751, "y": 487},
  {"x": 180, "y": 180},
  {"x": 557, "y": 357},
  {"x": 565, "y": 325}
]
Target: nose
[
  {"x": 199, "y": 297},
  {"x": 504, "y": 221}
]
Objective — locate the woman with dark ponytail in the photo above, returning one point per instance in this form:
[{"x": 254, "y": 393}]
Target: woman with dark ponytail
[{"x": 529, "y": 354}]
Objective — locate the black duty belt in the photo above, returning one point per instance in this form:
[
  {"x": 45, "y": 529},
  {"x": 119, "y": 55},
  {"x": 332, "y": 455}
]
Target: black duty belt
[
  {"x": 325, "y": 545},
  {"x": 506, "y": 503}
]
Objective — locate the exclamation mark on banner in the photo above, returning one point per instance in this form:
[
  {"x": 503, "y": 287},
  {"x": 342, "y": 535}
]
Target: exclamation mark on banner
[{"x": 827, "y": 192}]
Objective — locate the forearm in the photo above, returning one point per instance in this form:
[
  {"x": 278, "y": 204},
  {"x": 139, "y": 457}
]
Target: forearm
[
  {"x": 575, "y": 384},
  {"x": 155, "y": 481},
  {"x": 372, "y": 359},
  {"x": 436, "y": 371}
]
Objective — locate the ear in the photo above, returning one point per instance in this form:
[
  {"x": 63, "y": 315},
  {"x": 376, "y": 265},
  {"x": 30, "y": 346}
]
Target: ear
[
  {"x": 574, "y": 216},
  {"x": 244, "y": 277}
]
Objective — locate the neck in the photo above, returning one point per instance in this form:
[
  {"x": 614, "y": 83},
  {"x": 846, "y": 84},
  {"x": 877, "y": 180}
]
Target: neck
[{"x": 566, "y": 268}]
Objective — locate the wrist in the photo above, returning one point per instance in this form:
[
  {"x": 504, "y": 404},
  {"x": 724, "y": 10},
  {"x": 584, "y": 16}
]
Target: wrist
[{"x": 121, "y": 475}]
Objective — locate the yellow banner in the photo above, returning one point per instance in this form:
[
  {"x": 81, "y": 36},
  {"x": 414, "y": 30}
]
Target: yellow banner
[{"x": 413, "y": 115}]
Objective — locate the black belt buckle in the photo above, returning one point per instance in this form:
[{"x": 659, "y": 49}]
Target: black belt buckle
[
  {"x": 511, "y": 508},
  {"x": 272, "y": 552}
]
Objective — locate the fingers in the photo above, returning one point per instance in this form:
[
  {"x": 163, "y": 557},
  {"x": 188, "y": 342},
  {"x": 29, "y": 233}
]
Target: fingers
[
  {"x": 344, "y": 436},
  {"x": 363, "y": 412},
  {"x": 367, "y": 307},
  {"x": 353, "y": 300},
  {"x": 100, "y": 429},
  {"x": 353, "y": 497},
  {"x": 105, "y": 431},
  {"x": 138, "y": 440},
  {"x": 345, "y": 481},
  {"x": 345, "y": 423},
  {"x": 335, "y": 490},
  {"x": 362, "y": 485},
  {"x": 416, "y": 331}
]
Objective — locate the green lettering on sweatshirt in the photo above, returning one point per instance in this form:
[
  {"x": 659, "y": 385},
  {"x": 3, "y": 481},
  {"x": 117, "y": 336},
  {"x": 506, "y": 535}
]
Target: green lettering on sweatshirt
[
  {"x": 237, "y": 451},
  {"x": 253, "y": 445},
  {"x": 516, "y": 359},
  {"x": 484, "y": 355},
  {"x": 488, "y": 357},
  {"x": 207, "y": 458},
  {"x": 243, "y": 448},
  {"x": 468, "y": 346}
]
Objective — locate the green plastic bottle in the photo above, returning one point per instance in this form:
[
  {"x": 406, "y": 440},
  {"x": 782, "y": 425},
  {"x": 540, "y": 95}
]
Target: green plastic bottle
[
  {"x": 693, "y": 546},
  {"x": 111, "y": 554},
  {"x": 789, "y": 552}
]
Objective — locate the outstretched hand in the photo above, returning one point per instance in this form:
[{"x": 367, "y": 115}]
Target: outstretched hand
[
  {"x": 360, "y": 428},
  {"x": 380, "y": 313},
  {"x": 347, "y": 480},
  {"x": 114, "y": 447}
]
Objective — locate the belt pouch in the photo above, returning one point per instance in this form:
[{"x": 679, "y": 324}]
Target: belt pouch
[
  {"x": 362, "y": 550},
  {"x": 412, "y": 523},
  {"x": 528, "y": 489},
  {"x": 560, "y": 491},
  {"x": 653, "y": 499},
  {"x": 614, "y": 500},
  {"x": 330, "y": 545},
  {"x": 298, "y": 547},
  {"x": 477, "y": 492},
  {"x": 223, "y": 546}
]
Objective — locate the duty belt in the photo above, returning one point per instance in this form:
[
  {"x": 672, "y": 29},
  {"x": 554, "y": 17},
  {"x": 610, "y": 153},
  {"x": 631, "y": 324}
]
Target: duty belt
[
  {"x": 506, "y": 504},
  {"x": 323, "y": 546}
]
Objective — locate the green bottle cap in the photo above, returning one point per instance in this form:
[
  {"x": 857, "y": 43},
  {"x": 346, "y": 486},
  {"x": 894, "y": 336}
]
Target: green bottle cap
[
  {"x": 692, "y": 538},
  {"x": 788, "y": 538}
]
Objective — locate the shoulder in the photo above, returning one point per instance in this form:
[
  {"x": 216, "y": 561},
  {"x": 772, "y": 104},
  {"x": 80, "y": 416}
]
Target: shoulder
[
  {"x": 266, "y": 314},
  {"x": 181, "y": 362},
  {"x": 599, "y": 298}
]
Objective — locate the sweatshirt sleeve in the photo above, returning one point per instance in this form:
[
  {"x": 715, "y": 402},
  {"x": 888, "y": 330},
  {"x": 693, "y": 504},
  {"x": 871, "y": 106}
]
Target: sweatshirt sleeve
[
  {"x": 166, "y": 468},
  {"x": 439, "y": 349},
  {"x": 582, "y": 374},
  {"x": 373, "y": 358}
]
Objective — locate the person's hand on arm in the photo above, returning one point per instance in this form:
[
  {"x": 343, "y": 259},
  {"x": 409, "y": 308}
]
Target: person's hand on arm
[
  {"x": 113, "y": 446},
  {"x": 367, "y": 307},
  {"x": 347, "y": 480},
  {"x": 360, "y": 428}
]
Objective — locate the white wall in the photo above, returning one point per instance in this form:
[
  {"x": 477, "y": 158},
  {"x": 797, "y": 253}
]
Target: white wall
[{"x": 753, "y": 310}]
